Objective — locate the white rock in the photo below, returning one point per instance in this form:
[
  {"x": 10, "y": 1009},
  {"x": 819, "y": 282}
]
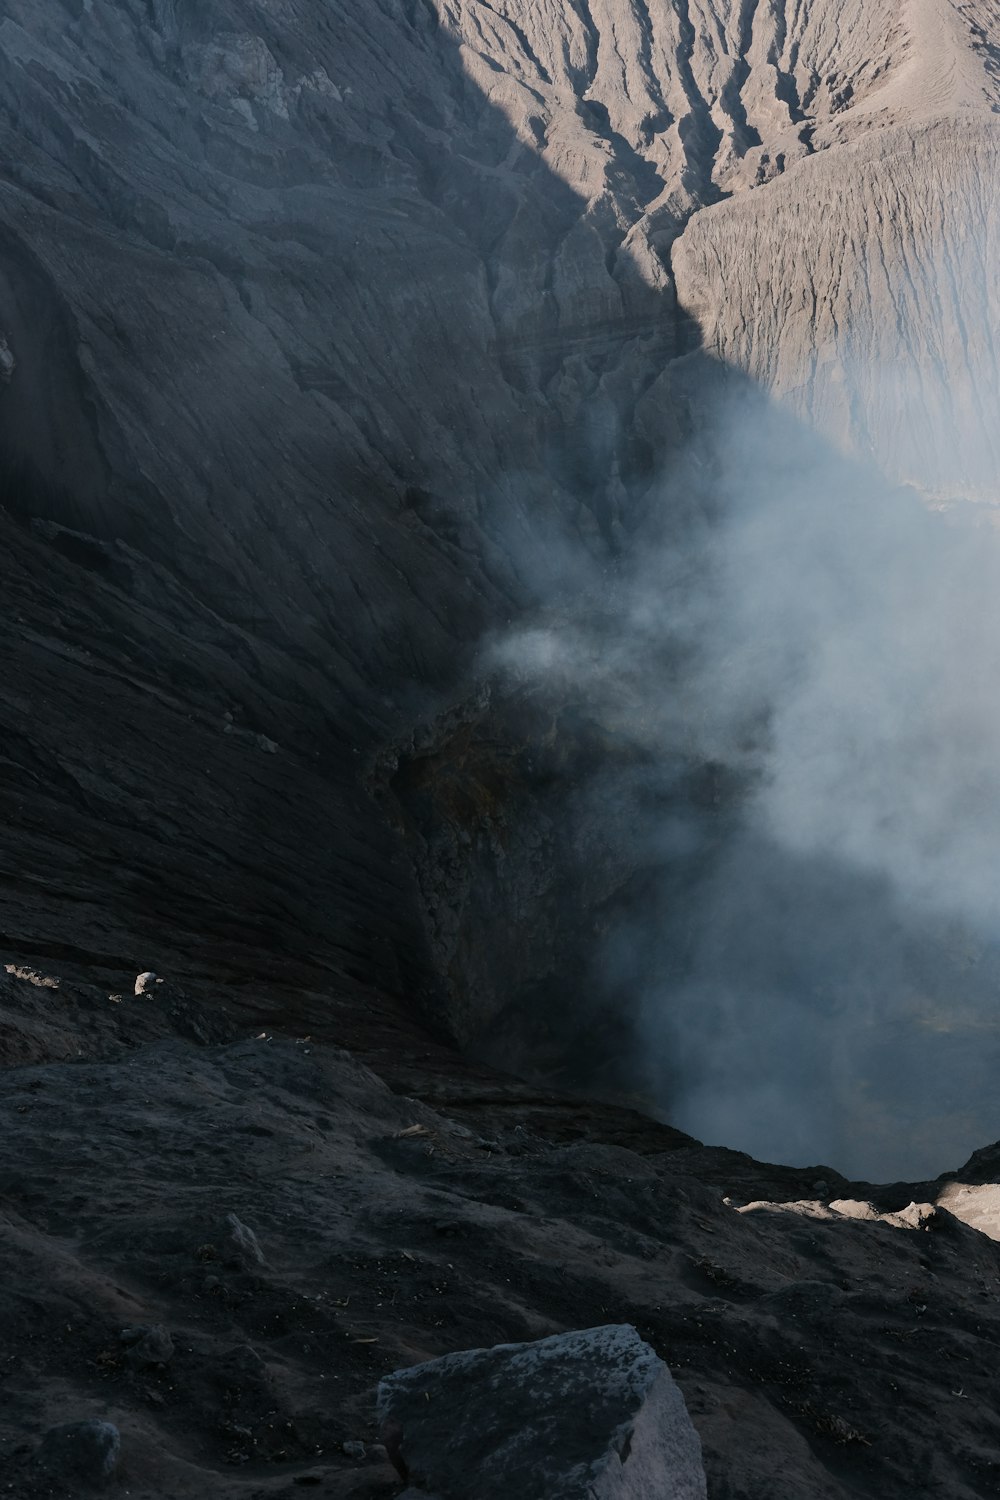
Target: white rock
[{"x": 976, "y": 1204}]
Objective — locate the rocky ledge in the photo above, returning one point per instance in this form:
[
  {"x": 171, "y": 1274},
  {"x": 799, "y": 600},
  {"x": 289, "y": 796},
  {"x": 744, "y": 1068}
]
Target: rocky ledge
[{"x": 219, "y": 1237}]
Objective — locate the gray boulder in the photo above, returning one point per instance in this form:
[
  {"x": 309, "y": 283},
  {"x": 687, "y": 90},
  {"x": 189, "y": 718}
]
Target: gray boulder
[
  {"x": 593, "y": 1415},
  {"x": 148, "y": 1346},
  {"x": 84, "y": 1452}
]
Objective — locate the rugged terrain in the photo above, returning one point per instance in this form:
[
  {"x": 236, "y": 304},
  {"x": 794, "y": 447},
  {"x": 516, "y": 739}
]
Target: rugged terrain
[
  {"x": 830, "y": 1339},
  {"x": 333, "y": 341}
]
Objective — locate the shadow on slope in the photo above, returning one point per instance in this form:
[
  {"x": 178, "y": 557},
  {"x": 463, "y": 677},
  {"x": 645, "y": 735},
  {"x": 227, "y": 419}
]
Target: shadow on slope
[{"x": 363, "y": 460}]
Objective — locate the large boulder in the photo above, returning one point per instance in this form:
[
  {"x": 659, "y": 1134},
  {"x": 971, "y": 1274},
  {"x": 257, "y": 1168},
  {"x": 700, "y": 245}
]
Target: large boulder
[
  {"x": 84, "y": 1453},
  {"x": 594, "y": 1415}
]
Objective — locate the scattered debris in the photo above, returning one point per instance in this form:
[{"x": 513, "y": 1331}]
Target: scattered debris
[
  {"x": 832, "y": 1426},
  {"x": 33, "y": 976}
]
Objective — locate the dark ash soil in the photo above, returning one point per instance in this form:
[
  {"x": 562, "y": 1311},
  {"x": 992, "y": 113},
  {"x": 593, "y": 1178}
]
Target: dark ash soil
[{"x": 406, "y": 1203}]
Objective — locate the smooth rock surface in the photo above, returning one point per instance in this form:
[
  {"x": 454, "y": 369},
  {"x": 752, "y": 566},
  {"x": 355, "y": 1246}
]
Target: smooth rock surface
[{"x": 579, "y": 1415}]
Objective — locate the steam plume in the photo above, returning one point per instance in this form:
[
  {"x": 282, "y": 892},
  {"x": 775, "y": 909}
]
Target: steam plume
[{"x": 814, "y": 966}]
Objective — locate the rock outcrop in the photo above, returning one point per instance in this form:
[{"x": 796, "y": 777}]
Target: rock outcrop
[
  {"x": 412, "y": 1206},
  {"x": 591, "y": 1413},
  {"x": 83, "y": 1454}
]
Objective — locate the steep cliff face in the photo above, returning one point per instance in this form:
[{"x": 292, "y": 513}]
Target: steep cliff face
[
  {"x": 318, "y": 326},
  {"x": 862, "y": 288},
  {"x": 270, "y": 300},
  {"x": 332, "y": 345}
]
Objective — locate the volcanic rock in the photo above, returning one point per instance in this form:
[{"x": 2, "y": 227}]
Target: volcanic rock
[
  {"x": 84, "y": 1452},
  {"x": 148, "y": 1346},
  {"x": 593, "y": 1413}
]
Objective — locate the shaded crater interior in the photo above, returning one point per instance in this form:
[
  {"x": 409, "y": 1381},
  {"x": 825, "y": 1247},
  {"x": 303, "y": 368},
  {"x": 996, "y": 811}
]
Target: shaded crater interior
[{"x": 527, "y": 818}]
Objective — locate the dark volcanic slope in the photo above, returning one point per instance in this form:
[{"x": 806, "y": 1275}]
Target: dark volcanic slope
[
  {"x": 822, "y": 1352},
  {"x": 268, "y": 296},
  {"x": 177, "y": 278}
]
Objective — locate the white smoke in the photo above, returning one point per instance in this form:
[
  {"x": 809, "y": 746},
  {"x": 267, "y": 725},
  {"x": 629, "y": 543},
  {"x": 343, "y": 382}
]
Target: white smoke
[{"x": 817, "y": 977}]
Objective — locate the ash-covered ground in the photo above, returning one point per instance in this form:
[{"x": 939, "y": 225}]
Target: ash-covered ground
[{"x": 304, "y": 1209}]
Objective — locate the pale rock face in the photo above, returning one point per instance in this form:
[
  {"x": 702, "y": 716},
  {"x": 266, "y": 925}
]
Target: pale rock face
[
  {"x": 976, "y": 1204},
  {"x": 241, "y": 71},
  {"x": 862, "y": 289},
  {"x": 593, "y": 1415}
]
